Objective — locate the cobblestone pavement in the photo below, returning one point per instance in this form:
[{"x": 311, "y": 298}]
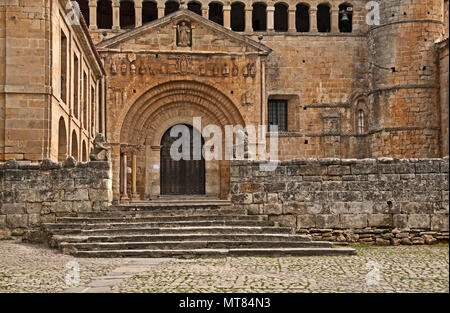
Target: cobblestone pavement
[{"x": 31, "y": 268}]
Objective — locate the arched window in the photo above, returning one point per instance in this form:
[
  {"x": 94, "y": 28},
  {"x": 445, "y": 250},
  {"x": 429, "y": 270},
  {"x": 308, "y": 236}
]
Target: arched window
[
  {"x": 62, "y": 140},
  {"x": 171, "y": 6},
  {"x": 323, "y": 18},
  {"x": 127, "y": 14},
  {"x": 281, "y": 17},
  {"x": 84, "y": 8},
  {"x": 84, "y": 152},
  {"x": 216, "y": 12},
  {"x": 302, "y": 18},
  {"x": 195, "y": 7},
  {"x": 238, "y": 16},
  {"x": 361, "y": 122},
  {"x": 104, "y": 14},
  {"x": 345, "y": 18},
  {"x": 259, "y": 17},
  {"x": 74, "y": 150},
  {"x": 149, "y": 11}
]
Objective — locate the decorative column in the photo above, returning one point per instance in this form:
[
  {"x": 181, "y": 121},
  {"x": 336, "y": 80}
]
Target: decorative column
[
  {"x": 116, "y": 14},
  {"x": 248, "y": 19},
  {"x": 205, "y": 12},
  {"x": 133, "y": 176},
  {"x": 227, "y": 16},
  {"x": 355, "y": 23},
  {"x": 124, "y": 174},
  {"x": 334, "y": 20},
  {"x": 160, "y": 11},
  {"x": 313, "y": 20},
  {"x": 291, "y": 19},
  {"x": 270, "y": 18},
  {"x": 138, "y": 12},
  {"x": 93, "y": 14}
]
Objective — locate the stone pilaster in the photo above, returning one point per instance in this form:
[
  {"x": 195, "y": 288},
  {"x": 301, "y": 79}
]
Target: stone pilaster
[{"x": 93, "y": 14}]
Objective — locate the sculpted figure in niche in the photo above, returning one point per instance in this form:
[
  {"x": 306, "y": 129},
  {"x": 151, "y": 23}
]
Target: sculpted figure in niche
[
  {"x": 101, "y": 151},
  {"x": 184, "y": 35}
]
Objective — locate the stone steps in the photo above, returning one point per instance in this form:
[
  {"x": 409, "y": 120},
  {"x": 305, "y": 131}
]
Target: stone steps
[
  {"x": 181, "y": 237},
  {"x": 92, "y": 220},
  {"x": 182, "y": 245},
  {"x": 178, "y": 229},
  {"x": 162, "y": 211},
  {"x": 208, "y": 253},
  {"x": 128, "y": 230},
  {"x": 131, "y": 223}
]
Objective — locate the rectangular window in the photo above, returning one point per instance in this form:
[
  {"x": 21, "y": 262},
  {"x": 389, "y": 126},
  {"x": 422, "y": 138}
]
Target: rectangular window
[
  {"x": 63, "y": 67},
  {"x": 278, "y": 114}
]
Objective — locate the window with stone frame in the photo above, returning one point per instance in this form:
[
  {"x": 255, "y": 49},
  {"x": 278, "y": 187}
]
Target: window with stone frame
[{"x": 277, "y": 113}]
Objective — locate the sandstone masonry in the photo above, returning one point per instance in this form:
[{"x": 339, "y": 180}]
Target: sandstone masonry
[
  {"x": 383, "y": 201},
  {"x": 31, "y": 194}
]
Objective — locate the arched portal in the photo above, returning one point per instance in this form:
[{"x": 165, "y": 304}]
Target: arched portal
[
  {"x": 62, "y": 140},
  {"x": 152, "y": 113},
  {"x": 182, "y": 173},
  {"x": 74, "y": 150}
]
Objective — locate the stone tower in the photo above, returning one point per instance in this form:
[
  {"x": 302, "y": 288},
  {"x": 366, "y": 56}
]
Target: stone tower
[{"x": 404, "y": 79}]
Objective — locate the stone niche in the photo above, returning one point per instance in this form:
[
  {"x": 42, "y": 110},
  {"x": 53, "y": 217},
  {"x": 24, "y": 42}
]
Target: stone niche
[
  {"x": 381, "y": 201},
  {"x": 31, "y": 194}
]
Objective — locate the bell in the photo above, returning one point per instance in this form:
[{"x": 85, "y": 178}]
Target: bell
[{"x": 345, "y": 18}]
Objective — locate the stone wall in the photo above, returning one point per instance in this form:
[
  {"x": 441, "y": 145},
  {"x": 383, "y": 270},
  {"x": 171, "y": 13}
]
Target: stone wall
[
  {"x": 383, "y": 201},
  {"x": 31, "y": 194}
]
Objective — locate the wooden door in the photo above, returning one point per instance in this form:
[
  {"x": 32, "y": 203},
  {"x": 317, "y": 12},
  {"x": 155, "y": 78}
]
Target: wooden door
[{"x": 183, "y": 177}]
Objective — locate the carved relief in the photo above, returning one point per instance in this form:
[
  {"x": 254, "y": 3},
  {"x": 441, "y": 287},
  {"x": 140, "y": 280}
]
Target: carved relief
[
  {"x": 183, "y": 64},
  {"x": 247, "y": 98},
  {"x": 249, "y": 70},
  {"x": 331, "y": 124},
  {"x": 184, "y": 34},
  {"x": 124, "y": 68},
  {"x": 113, "y": 68},
  {"x": 133, "y": 69},
  {"x": 235, "y": 71},
  {"x": 225, "y": 70}
]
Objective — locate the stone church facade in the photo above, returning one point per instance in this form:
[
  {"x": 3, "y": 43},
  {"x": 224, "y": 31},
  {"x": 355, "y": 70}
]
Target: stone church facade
[{"x": 336, "y": 86}]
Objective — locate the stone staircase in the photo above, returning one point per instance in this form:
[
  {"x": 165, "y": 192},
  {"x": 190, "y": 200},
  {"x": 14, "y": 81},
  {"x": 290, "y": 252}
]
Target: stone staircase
[{"x": 182, "y": 229}]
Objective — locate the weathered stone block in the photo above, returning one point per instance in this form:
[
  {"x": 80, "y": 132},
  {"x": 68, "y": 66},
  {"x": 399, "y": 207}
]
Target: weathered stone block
[
  {"x": 76, "y": 195},
  {"x": 328, "y": 221},
  {"x": 400, "y": 221},
  {"x": 17, "y": 220},
  {"x": 284, "y": 220},
  {"x": 13, "y": 208},
  {"x": 34, "y": 208},
  {"x": 100, "y": 195},
  {"x": 82, "y": 206},
  {"x": 312, "y": 169},
  {"x": 419, "y": 221},
  {"x": 273, "y": 209},
  {"x": 61, "y": 206},
  {"x": 294, "y": 208},
  {"x": 306, "y": 221},
  {"x": 338, "y": 170},
  {"x": 259, "y": 197},
  {"x": 34, "y": 220},
  {"x": 250, "y": 187},
  {"x": 380, "y": 220},
  {"x": 354, "y": 220},
  {"x": 274, "y": 187},
  {"x": 440, "y": 222}
]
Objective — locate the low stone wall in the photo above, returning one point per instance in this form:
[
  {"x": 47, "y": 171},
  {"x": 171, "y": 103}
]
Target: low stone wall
[
  {"x": 31, "y": 194},
  {"x": 383, "y": 201}
]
